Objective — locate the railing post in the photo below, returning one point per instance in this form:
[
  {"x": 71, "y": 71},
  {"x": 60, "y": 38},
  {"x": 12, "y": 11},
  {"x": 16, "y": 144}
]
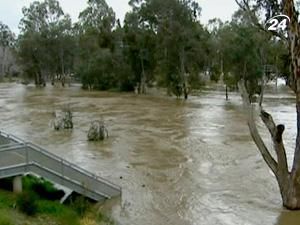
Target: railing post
[
  {"x": 62, "y": 171},
  {"x": 27, "y": 156},
  {"x": 17, "y": 184}
]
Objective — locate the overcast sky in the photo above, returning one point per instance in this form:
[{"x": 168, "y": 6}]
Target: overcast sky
[{"x": 10, "y": 10}]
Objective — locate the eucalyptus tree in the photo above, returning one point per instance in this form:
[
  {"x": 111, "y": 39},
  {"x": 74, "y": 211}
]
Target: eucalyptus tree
[
  {"x": 288, "y": 179},
  {"x": 45, "y": 42},
  {"x": 178, "y": 40},
  {"x": 243, "y": 56},
  {"x": 216, "y": 46},
  {"x": 139, "y": 49},
  {"x": 96, "y": 46},
  {"x": 6, "y": 43}
]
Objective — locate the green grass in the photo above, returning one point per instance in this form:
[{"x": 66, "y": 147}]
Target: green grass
[
  {"x": 48, "y": 212},
  {"x": 44, "y": 189},
  {"x": 7, "y": 200},
  {"x": 63, "y": 214},
  {"x": 59, "y": 214},
  {"x": 5, "y": 217}
]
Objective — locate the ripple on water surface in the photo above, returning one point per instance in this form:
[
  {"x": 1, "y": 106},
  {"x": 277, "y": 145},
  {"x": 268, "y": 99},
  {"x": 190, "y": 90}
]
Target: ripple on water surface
[{"x": 179, "y": 163}]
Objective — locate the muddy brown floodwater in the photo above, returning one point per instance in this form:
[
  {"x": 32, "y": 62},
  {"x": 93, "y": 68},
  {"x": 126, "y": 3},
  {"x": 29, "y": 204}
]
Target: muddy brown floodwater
[{"x": 182, "y": 163}]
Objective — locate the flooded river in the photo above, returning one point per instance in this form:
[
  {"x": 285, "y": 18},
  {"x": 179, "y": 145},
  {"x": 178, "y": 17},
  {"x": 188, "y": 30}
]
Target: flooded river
[{"x": 181, "y": 163}]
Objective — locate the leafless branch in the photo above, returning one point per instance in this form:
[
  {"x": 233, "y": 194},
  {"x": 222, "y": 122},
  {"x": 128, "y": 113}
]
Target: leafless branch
[{"x": 254, "y": 131}]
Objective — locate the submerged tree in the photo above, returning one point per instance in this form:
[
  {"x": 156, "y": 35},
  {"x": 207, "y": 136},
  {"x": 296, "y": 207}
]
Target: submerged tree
[
  {"x": 6, "y": 42},
  {"x": 179, "y": 41},
  {"x": 139, "y": 49},
  {"x": 63, "y": 119},
  {"x": 288, "y": 180},
  {"x": 97, "y": 131}
]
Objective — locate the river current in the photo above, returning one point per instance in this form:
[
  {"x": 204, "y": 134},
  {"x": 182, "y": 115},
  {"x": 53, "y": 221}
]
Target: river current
[{"x": 178, "y": 162}]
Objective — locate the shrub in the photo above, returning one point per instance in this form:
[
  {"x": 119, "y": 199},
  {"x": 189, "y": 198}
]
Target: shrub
[
  {"x": 63, "y": 214},
  {"x": 80, "y": 205},
  {"x": 50, "y": 208},
  {"x": 26, "y": 203},
  {"x": 42, "y": 188}
]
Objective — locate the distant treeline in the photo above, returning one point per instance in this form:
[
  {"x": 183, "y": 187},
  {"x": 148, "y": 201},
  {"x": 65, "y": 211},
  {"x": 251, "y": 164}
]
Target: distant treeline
[{"x": 161, "y": 43}]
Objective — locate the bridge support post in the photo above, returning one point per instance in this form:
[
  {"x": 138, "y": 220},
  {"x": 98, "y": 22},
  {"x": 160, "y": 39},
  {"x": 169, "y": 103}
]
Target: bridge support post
[{"x": 17, "y": 184}]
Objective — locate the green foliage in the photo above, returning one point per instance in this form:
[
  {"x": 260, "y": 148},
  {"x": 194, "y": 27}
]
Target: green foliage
[
  {"x": 6, "y": 200},
  {"x": 243, "y": 51},
  {"x": 45, "y": 45},
  {"x": 6, "y": 36},
  {"x": 80, "y": 205},
  {"x": 52, "y": 210},
  {"x": 176, "y": 41},
  {"x": 63, "y": 214},
  {"x": 161, "y": 43},
  {"x": 42, "y": 188},
  {"x": 98, "y": 15},
  {"x": 97, "y": 57},
  {"x": 27, "y": 203}
]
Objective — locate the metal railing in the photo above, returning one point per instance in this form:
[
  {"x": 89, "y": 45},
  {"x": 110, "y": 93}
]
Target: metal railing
[{"x": 31, "y": 154}]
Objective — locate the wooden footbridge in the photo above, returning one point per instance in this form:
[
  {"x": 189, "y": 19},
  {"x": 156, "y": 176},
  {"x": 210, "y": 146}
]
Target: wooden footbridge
[{"x": 18, "y": 158}]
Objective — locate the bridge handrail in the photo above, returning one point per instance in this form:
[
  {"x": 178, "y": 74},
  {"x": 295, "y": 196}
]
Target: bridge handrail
[
  {"x": 66, "y": 178},
  {"x": 25, "y": 165},
  {"x": 72, "y": 165},
  {"x": 14, "y": 147},
  {"x": 10, "y": 136},
  {"x": 55, "y": 157}
]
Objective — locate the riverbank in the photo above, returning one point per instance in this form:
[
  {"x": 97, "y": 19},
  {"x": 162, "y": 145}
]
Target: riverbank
[
  {"x": 39, "y": 204},
  {"x": 48, "y": 212}
]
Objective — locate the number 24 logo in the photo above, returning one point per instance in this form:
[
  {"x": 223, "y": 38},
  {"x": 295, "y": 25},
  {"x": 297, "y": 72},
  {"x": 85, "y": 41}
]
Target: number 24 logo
[{"x": 279, "y": 22}]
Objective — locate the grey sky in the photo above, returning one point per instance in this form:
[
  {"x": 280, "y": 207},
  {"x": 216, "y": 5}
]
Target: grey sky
[{"x": 11, "y": 10}]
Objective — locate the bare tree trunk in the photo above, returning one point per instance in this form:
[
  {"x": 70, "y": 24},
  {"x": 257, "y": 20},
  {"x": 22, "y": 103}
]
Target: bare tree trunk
[
  {"x": 278, "y": 166},
  {"x": 288, "y": 181},
  {"x": 4, "y": 63},
  {"x": 294, "y": 34},
  {"x": 226, "y": 92},
  {"x": 142, "y": 89},
  {"x": 62, "y": 68},
  {"x": 183, "y": 75}
]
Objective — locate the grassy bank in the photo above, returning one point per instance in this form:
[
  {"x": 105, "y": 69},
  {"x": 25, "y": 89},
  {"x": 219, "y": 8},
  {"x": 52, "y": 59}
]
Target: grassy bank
[
  {"x": 47, "y": 212},
  {"x": 29, "y": 208}
]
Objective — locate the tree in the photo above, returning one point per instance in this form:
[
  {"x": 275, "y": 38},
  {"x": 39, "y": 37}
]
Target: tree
[
  {"x": 288, "y": 180},
  {"x": 178, "y": 40},
  {"x": 45, "y": 44},
  {"x": 6, "y": 43},
  {"x": 140, "y": 44},
  {"x": 97, "y": 15},
  {"x": 97, "y": 46}
]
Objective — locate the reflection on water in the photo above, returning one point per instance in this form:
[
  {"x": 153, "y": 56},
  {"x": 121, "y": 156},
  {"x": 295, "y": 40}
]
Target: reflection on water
[{"x": 181, "y": 163}]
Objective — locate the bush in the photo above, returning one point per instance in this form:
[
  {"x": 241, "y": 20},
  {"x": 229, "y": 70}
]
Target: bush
[
  {"x": 50, "y": 208},
  {"x": 62, "y": 213},
  {"x": 26, "y": 203},
  {"x": 80, "y": 205},
  {"x": 42, "y": 188}
]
